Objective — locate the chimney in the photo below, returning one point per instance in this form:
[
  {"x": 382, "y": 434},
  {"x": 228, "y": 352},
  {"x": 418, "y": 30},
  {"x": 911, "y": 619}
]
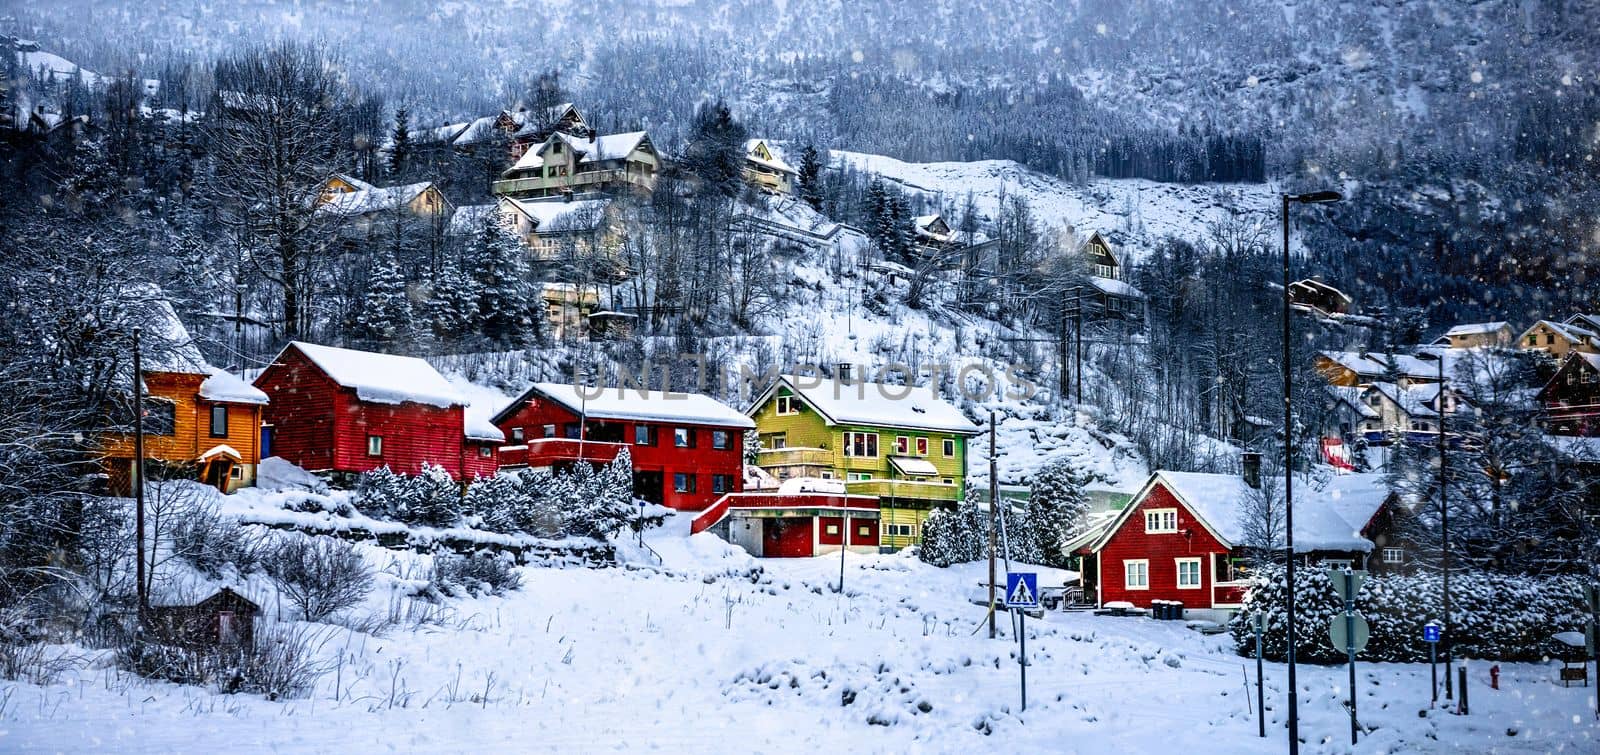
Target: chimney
[{"x": 1251, "y": 463}]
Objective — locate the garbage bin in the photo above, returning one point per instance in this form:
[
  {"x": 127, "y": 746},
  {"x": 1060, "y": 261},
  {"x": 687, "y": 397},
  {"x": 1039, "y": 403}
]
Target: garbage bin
[
  {"x": 1175, "y": 610},
  {"x": 1158, "y": 610}
]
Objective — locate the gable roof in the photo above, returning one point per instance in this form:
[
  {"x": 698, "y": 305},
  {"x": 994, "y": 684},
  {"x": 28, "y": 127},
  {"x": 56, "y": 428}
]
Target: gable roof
[
  {"x": 469, "y": 219},
  {"x": 375, "y": 199},
  {"x": 380, "y": 378},
  {"x": 752, "y": 150},
  {"x": 1350, "y": 395},
  {"x": 597, "y": 149},
  {"x": 168, "y": 347},
  {"x": 1477, "y": 328},
  {"x": 1573, "y": 357},
  {"x": 1584, "y": 319},
  {"x": 561, "y": 215},
  {"x": 1573, "y": 333},
  {"x": 1090, "y": 238},
  {"x": 228, "y": 388},
  {"x": 1329, "y": 518},
  {"x": 1316, "y": 285},
  {"x": 627, "y": 404},
  {"x": 1113, "y": 287},
  {"x": 872, "y": 404}
]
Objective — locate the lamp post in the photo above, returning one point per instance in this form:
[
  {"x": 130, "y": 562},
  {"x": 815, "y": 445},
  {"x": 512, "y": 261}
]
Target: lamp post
[
  {"x": 1444, "y": 526},
  {"x": 1316, "y": 197}
]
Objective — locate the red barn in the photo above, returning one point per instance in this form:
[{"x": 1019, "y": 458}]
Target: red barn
[
  {"x": 687, "y": 449},
  {"x": 348, "y": 411},
  {"x": 1183, "y": 536}
]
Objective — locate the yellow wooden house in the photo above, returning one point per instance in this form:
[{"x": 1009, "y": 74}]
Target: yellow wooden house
[
  {"x": 904, "y": 445},
  {"x": 766, "y": 169},
  {"x": 199, "y": 422},
  {"x": 1559, "y": 338}
]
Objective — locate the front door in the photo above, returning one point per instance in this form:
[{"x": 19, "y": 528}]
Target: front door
[
  {"x": 648, "y": 485},
  {"x": 266, "y": 441}
]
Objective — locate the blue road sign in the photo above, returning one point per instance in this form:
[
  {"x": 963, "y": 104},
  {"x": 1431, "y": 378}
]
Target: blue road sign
[
  {"x": 1430, "y": 632},
  {"x": 1022, "y": 589}
]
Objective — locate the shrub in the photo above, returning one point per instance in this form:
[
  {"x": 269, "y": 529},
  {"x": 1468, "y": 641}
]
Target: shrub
[
  {"x": 477, "y": 574},
  {"x": 209, "y": 542},
  {"x": 962, "y": 535},
  {"x": 432, "y": 498},
  {"x": 1503, "y": 617},
  {"x": 280, "y": 662},
  {"x": 319, "y": 575}
]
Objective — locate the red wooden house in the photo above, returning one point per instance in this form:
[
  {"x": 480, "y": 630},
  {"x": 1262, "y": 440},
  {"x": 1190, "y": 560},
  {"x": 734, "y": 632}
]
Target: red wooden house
[
  {"x": 1571, "y": 399},
  {"x": 346, "y": 411},
  {"x": 687, "y": 449},
  {"x": 1183, "y": 536}
]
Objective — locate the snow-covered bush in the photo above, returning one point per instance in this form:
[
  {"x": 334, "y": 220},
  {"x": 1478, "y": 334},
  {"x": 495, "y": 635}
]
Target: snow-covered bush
[
  {"x": 1492, "y": 616},
  {"x": 432, "y": 498},
  {"x": 477, "y": 574},
  {"x": 381, "y": 492},
  {"x": 962, "y": 535},
  {"x": 209, "y": 542},
  {"x": 319, "y": 575}
]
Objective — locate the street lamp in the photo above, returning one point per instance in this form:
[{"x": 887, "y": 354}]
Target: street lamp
[
  {"x": 1316, "y": 197},
  {"x": 1444, "y": 525}
]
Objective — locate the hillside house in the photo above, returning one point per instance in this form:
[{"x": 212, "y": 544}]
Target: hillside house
[
  {"x": 1362, "y": 368},
  {"x": 687, "y": 449},
  {"x": 362, "y": 207},
  {"x": 557, "y": 230},
  {"x": 199, "y": 422},
  {"x": 765, "y": 168},
  {"x": 1587, "y": 321},
  {"x": 567, "y": 164},
  {"x": 1556, "y": 339},
  {"x": 515, "y": 130},
  {"x": 1187, "y": 536},
  {"x": 1497, "y": 334},
  {"x": 1315, "y": 297},
  {"x": 1110, "y": 294},
  {"x": 906, "y": 446},
  {"x": 1408, "y": 413},
  {"x": 343, "y": 411},
  {"x": 1571, "y": 398}
]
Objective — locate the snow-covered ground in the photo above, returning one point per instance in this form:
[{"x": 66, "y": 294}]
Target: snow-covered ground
[{"x": 715, "y": 651}]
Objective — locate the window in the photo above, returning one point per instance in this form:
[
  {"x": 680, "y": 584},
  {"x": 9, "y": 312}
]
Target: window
[
  {"x": 922, "y": 446},
  {"x": 833, "y": 529},
  {"x": 1227, "y": 568},
  {"x": 899, "y": 530},
  {"x": 574, "y": 431},
  {"x": 1337, "y": 563},
  {"x": 1550, "y": 339},
  {"x": 236, "y": 472},
  {"x": 374, "y": 445},
  {"x": 644, "y": 435},
  {"x": 787, "y": 405},
  {"x": 549, "y": 431},
  {"x": 1533, "y": 340},
  {"x": 720, "y": 439},
  {"x": 1373, "y": 399},
  {"x": 721, "y": 483},
  {"x": 555, "y": 148},
  {"x": 776, "y": 441},
  {"x": 949, "y": 480},
  {"x": 863, "y": 531},
  {"x": 1136, "y": 574},
  {"x": 1160, "y": 521},
  {"x": 827, "y": 474},
  {"x": 1188, "y": 574},
  {"x": 683, "y": 482},
  {"x": 219, "y": 421},
  {"x": 949, "y": 447},
  {"x": 861, "y": 444},
  {"x": 160, "y": 417},
  {"x": 683, "y": 437},
  {"x": 1394, "y": 555},
  {"x": 1104, "y": 271},
  {"x": 902, "y": 445},
  {"x": 517, "y": 435},
  {"x": 485, "y": 452},
  {"x": 857, "y": 476}
]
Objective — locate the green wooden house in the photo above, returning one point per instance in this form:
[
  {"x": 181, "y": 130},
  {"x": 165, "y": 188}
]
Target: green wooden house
[{"x": 905, "y": 445}]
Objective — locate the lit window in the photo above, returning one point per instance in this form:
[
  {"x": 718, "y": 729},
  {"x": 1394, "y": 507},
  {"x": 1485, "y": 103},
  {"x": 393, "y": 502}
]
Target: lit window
[
  {"x": 1161, "y": 521},
  {"x": 833, "y": 529},
  {"x": 374, "y": 445},
  {"x": 1188, "y": 574},
  {"x": 902, "y": 445},
  {"x": 787, "y": 405},
  {"x": 861, "y": 444},
  {"x": 863, "y": 531},
  {"x": 1136, "y": 574},
  {"x": 922, "y": 446}
]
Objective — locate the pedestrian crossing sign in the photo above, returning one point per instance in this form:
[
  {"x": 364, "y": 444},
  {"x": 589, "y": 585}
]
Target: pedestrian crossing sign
[{"x": 1022, "y": 590}]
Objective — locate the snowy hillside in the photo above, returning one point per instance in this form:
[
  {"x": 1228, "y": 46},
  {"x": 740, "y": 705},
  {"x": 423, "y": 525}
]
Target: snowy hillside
[{"x": 1138, "y": 213}]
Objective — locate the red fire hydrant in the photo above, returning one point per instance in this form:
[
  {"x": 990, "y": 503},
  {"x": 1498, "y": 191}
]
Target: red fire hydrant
[{"x": 1494, "y": 676}]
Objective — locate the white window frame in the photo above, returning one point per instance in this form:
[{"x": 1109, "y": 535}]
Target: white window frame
[
  {"x": 1399, "y": 555},
  {"x": 786, "y": 406},
  {"x": 1338, "y": 563},
  {"x": 857, "y": 476},
  {"x": 920, "y": 445},
  {"x": 374, "y": 445},
  {"x": 902, "y": 445},
  {"x": 1159, "y": 515},
  {"x": 1127, "y": 564},
  {"x": 949, "y": 447},
  {"x": 833, "y": 529},
  {"x": 1199, "y": 579},
  {"x": 868, "y": 440}
]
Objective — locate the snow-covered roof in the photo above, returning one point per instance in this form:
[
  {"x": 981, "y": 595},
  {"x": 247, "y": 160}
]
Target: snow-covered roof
[
  {"x": 1323, "y": 516},
  {"x": 356, "y": 183},
  {"x": 381, "y": 378},
  {"x": 373, "y": 200},
  {"x": 221, "y": 449},
  {"x": 1351, "y": 396},
  {"x": 470, "y": 219},
  {"x": 633, "y": 404},
  {"x": 480, "y": 426},
  {"x": 226, "y": 387},
  {"x": 1115, "y": 287},
  {"x": 1476, "y": 328},
  {"x": 1416, "y": 401},
  {"x": 598, "y": 149},
  {"x": 1357, "y": 362},
  {"x": 775, "y": 162},
  {"x": 875, "y": 404},
  {"x": 1573, "y": 333},
  {"x": 922, "y": 225},
  {"x": 477, "y": 130},
  {"x": 561, "y": 215}
]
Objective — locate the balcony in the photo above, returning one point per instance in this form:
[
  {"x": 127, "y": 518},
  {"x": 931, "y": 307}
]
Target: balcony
[
  {"x": 546, "y": 452},
  {"x": 536, "y": 186},
  {"x": 792, "y": 457},
  {"x": 902, "y": 489}
]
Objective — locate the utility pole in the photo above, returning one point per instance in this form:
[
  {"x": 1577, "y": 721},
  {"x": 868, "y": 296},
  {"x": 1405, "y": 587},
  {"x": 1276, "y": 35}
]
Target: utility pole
[
  {"x": 138, "y": 479},
  {"x": 994, "y": 509},
  {"x": 1444, "y": 528}
]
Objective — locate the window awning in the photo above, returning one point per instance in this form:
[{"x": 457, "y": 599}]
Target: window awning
[{"x": 914, "y": 467}]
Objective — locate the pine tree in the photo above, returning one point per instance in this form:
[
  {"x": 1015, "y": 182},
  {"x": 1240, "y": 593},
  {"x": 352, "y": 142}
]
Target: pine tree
[
  {"x": 1057, "y": 507},
  {"x": 715, "y": 153},
  {"x": 505, "y": 299},
  {"x": 811, "y": 165},
  {"x": 452, "y": 306},
  {"x": 437, "y": 499},
  {"x": 386, "y": 315},
  {"x": 400, "y": 144}
]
